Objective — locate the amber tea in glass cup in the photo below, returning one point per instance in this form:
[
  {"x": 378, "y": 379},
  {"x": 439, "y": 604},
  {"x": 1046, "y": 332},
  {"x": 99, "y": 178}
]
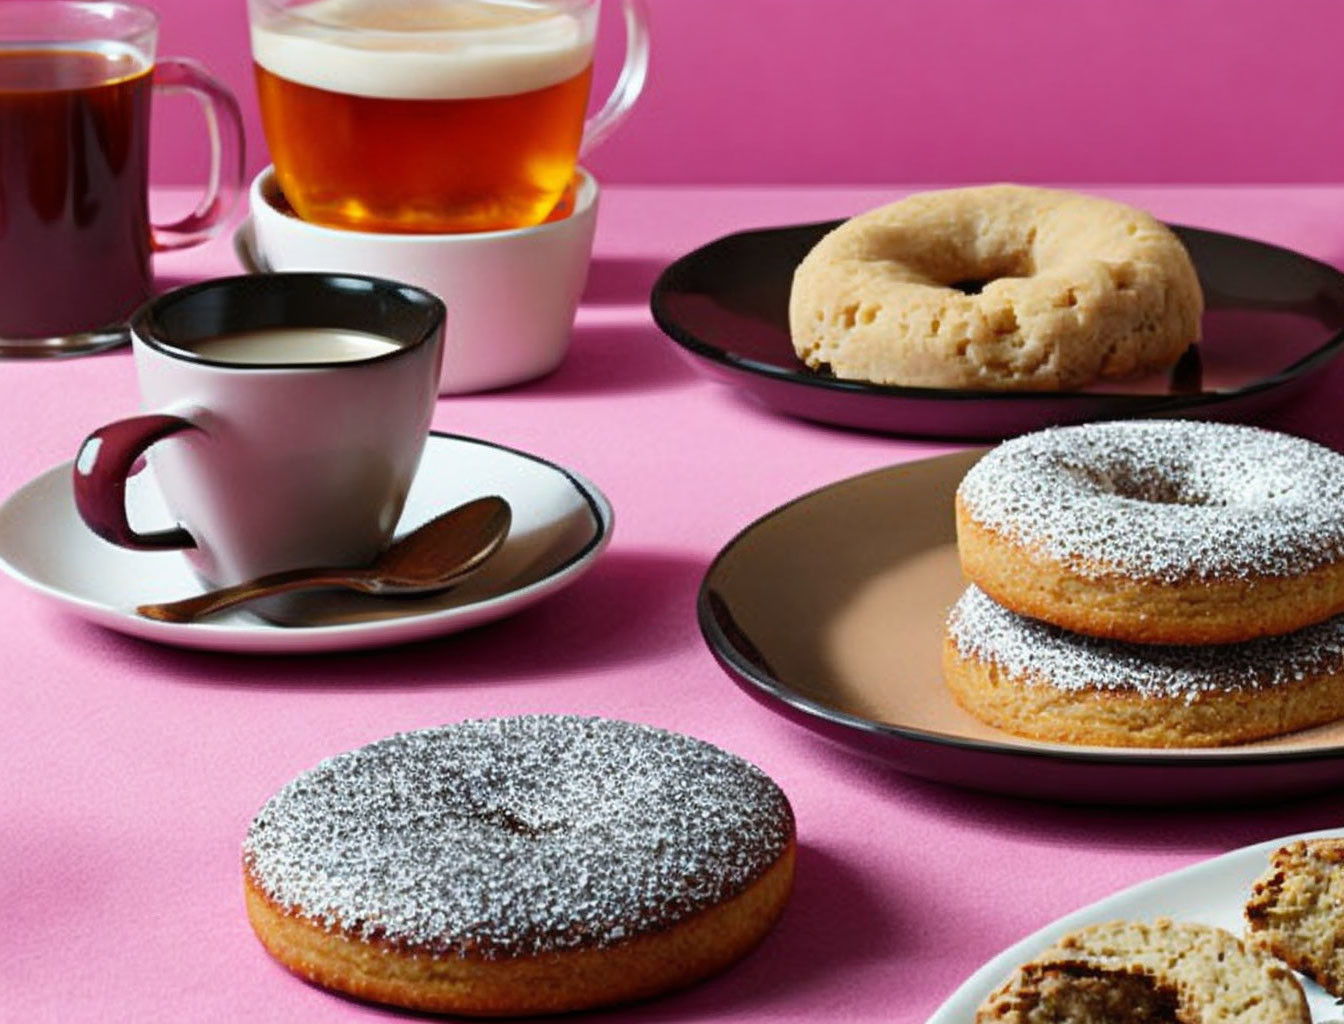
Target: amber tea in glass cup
[
  {"x": 432, "y": 116},
  {"x": 75, "y": 236}
]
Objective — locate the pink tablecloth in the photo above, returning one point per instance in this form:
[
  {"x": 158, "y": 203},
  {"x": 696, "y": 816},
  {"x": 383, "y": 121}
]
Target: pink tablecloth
[{"x": 128, "y": 772}]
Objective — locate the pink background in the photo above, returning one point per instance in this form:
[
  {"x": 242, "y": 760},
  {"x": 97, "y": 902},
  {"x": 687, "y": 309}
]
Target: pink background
[
  {"x": 129, "y": 772},
  {"x": 882, "y": 91}
]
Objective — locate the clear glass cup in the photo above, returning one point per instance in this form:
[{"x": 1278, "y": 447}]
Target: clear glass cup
[
  {"x": 75, "y": 235},
  {"x": 433, "y": 116}
]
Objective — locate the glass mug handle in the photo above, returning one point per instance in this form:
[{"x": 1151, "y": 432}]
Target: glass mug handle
[
  {"x": 631, "y": 81},
  {"x": 178, "y": 74}
]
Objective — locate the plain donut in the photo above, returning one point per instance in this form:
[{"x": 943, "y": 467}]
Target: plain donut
[{"x": 995, "y": 287}]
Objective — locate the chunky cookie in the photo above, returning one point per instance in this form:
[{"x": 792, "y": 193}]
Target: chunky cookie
[
  {"x": 1296, "y": 910},
  {"x": 1129, "y": 972}
]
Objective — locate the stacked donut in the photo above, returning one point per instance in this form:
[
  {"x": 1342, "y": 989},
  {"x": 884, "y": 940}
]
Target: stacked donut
[{"x": 1151, "y": 583}]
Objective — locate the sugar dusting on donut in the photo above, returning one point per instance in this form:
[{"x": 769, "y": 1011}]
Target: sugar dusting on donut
[
  {"x": 1068, "y": 661},
  {"x": 1169, "y": 500},
  {"x": 515, "y": 836}
]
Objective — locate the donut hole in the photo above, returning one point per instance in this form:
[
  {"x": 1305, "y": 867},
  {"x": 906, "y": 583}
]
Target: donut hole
[
  {"x": 971, "y": 273},
  {"x": 1149, "y": 485},
  {"x": 1191, "y": 483},
  {"x": 971, "y": 285},
  {"x": 509, "y": 821},
  {"x": 967, "y": 257}
]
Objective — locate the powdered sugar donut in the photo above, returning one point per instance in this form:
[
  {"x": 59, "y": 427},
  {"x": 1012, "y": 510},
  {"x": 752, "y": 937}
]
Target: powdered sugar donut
[
  {"x": 1039, "y": 681},
  {"x": 515, "y": 866},
  {"x": 995, "y": 287},
  {"x": 1161, "y": 531}
]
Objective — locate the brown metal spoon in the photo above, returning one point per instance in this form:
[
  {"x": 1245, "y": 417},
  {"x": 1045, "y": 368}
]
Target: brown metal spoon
[{"x": 430, "y": 558}]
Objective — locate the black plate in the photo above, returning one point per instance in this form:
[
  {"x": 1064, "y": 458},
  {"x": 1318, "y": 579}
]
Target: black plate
[
  {"x": 1272, "y": 317},
  {"x": 830, "y": 610}
]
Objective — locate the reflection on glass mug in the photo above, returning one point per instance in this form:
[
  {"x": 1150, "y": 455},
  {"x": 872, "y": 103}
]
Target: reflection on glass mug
[
  {"x": 433, "y": 115},
  {"x": 75, "y": 237}
]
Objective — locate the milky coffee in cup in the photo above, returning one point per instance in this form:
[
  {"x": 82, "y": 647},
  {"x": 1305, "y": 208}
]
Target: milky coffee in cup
[
  {"x": 424, "y": 115},
  {"x": 280, "y": 346}
]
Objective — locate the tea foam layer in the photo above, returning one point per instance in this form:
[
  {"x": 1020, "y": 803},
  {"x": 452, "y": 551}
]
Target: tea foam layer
[{"x": 432, "y": 49}]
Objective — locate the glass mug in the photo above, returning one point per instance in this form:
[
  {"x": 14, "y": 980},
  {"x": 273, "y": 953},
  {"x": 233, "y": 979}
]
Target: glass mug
[
  {"x": 433, "y": 116},
  {"x": 75, "y": 235}
]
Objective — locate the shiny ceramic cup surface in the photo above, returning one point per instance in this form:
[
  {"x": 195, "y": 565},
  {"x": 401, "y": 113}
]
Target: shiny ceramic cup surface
[
  {"x": 277, "y": 465},
  {"x": 513, "y": 294},
  {"x": 433, "y": 116},
  {"x": 75, "y": 237}
]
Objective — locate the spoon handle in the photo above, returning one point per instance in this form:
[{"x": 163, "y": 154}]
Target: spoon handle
[{"x": 191, "y": 608}]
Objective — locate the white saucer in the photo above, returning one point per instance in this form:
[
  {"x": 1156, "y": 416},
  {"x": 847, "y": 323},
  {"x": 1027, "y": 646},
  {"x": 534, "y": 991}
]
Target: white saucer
[{"x": 561, "y": 523}]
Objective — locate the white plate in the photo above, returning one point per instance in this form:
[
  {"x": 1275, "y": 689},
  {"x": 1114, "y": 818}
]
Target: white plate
[
  {"x": 561, "y": 523},
  {"x": 1211, "y": 892}
]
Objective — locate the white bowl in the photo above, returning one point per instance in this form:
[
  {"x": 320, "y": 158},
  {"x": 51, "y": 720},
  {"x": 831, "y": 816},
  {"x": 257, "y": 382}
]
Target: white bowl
[{"x": 511, "y": 295}]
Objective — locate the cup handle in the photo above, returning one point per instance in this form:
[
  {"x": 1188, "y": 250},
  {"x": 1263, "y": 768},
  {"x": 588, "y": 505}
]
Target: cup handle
[
  {"x": 178, "y": 74},
  {"x": 105, "y": 460},
  {"x": 629, "y": 85}
]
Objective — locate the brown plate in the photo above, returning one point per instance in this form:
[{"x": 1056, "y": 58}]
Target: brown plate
[{"x": 830, "y": 611}]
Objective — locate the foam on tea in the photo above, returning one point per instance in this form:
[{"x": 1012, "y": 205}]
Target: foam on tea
[
  {"x": 426, "y": 50},
  {"x": 277, "y": 346}
]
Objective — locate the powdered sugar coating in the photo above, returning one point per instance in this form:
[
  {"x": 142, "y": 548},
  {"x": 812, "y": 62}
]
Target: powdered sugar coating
[
  {"x": 1166, "y": 500},
  {"x": 515, "y": 836},
  {"x": 1049, "y": 656}
]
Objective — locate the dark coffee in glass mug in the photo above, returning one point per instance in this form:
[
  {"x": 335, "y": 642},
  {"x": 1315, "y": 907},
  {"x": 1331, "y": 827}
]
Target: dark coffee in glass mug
[{"x": 75, "y": 235}]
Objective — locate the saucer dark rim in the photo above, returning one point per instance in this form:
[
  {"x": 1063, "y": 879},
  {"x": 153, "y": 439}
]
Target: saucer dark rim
[
  {"x": 600, "y": 526},
  {"x": 672, "y": 279},
  {"x": 1101, "y": 774},
  {"x": 408, "y": 315},
  {"x": 601, "y": 530}
]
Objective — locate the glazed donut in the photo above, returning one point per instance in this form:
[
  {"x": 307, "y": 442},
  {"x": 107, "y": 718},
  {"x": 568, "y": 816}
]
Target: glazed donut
[
  {"x": 512, "y": 866},
  {"x": 996, "y": 287},
  {"x": 1161, "y": 531},
  {"x": 1185, "y": 973},
  {"x": 1042, "y": 682}
]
